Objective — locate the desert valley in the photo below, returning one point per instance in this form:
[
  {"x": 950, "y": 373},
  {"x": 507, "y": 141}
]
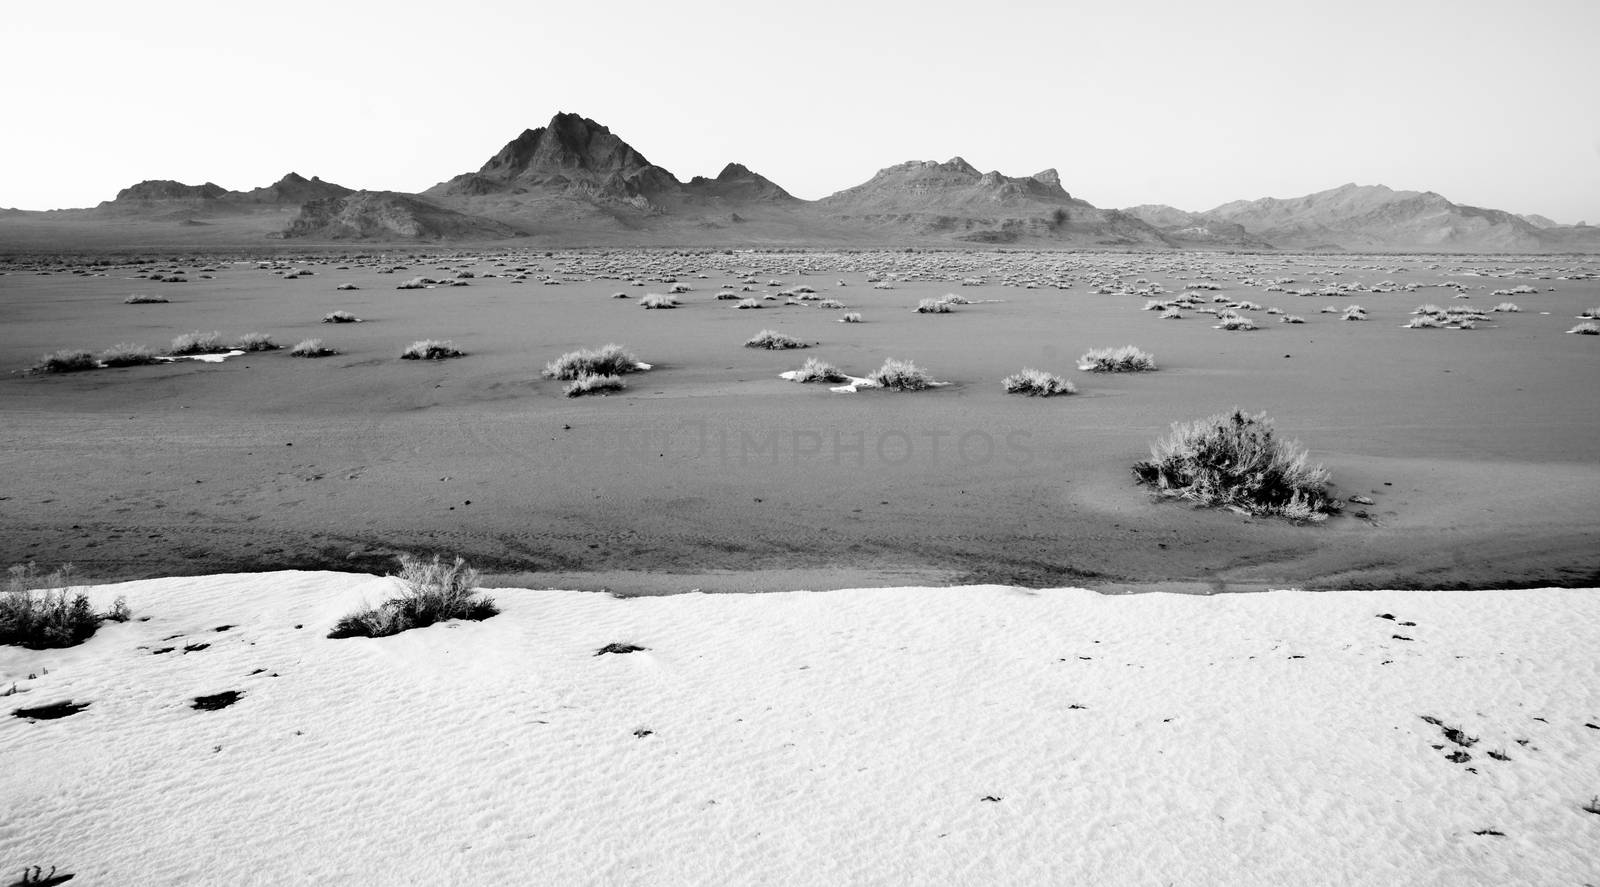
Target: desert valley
[{"x": 936, "y": 419}]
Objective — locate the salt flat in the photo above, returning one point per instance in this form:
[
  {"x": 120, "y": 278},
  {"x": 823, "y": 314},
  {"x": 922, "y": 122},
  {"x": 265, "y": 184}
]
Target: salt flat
[
  {"x": 1480, "y": 448},
  {"x": 794, "y": 738}
]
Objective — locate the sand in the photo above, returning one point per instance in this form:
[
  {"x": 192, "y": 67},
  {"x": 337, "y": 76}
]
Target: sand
[
  {"x": 1480, "y": 449},
  {"x": 971, "y": 735}
]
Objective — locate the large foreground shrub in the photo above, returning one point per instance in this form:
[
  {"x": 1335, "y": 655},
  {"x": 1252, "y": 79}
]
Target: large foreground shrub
[
  {"x": 1235, "y": 461},
  {"x": 430, "y": 591},
  {"x": 42, "y": 620}
]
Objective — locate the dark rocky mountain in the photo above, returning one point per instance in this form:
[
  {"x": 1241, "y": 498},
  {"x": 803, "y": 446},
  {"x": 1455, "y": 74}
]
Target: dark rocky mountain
[
  {"x": 166, "y": 189},
  {"x": 389, "y": 215},
  {"x": 571, "y": 156}
]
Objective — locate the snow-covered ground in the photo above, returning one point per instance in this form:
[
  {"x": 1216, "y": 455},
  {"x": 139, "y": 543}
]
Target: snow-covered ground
[{"x": 976, "y": 735}]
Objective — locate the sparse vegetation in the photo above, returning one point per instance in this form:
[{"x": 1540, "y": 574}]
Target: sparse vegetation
[
  {"x": 431, "y": 349},
  {"x": 1586, "y": 329},
  {"x": 814, "y": 370},
  {"x": 126, "y": 354},
  {"x": 774, "y": 341},
  {"x": 657, "y": 300},
  {"x": 67, "y": 360},
  {"x": 608, "y": 360},
  {"x": 901, "y": 375},
  {"x": 745, "y": 304},
  {"x": 852, "y": 317},
  {"x": 1237, "y": 462},
  {"x": 1126, "y": 359},
  {"x": 311, "y": 348},
  {"x": 934, "y": 306},
  {"x": 44, "y": 620},
  {"x": 593, "y": 383},
  {"x": 197, "y": 343},
  {"x": 431, "y": 591},
  {"x": 1507, "y": 308},
  {"x": 1291, "y": 318},
  {"x": 340, "y": 317},
  {"x": 1231, "y": 320},
  {"x": 142, "y": 299},
  {"x": 250, "y": 342},
  {"x": 1037, "y": 383}
]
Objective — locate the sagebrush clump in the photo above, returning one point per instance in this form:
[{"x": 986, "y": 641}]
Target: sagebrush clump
[
  {"x": 311, "y": 348},
  {"x": 1126, "y": 359},
  {"x": 901, "y": 375},
  {"x": 608, "y": 360},
  {"x": 814, "y": 370},
  {"x": 431, "y": 591},
  {"x": 1234, "y": 460},
  {"x": 1037, "y": 383},
  {"x": 774, "y": 341},
  {"x": 127, "y": 354},
  {"x": 67, "y": 360},
  {"x": 431, "y": 349},
  {"x": 45, "y": 620},
  {"x": 196, "y": 343},
  {"x": 593, "y": 383}
]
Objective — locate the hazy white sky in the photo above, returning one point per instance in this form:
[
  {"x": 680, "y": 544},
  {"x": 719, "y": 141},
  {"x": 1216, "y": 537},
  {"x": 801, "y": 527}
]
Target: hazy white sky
[{"x": 1489, "y": 102}]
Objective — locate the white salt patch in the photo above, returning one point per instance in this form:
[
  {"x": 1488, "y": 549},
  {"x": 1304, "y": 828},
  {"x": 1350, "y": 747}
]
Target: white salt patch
[{"x": 845, "y": 737}]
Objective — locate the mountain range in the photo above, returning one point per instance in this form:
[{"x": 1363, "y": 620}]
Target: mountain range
[{"x": 574, "y": 182}]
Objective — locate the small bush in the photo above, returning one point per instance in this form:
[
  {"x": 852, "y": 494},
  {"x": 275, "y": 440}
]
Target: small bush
[
  {"x": 1291, "y": 318},
  {"x": 934, "y": 306},
  {"x": 608, "y": 360},
  {"x": 901, "y": 375},
  {"x": 1235, "y": 461},
  {"x": 592, "y": 383},
  {"x": 831, "y": 304},
  {"x": 1507, "y": 307},
  {"x": 814, "y": 370},
  {"x": 774, "y": 341},
  {"x": 1354, "y": 312},
  {"x": 852, "y": 317},
  {"x": 347, "y": 287},
  {"x": 1172, "y": 314},
  {"x": 745, "y": 304},
  {"x": 620, "y": 296},
  {"x": 1589, "y": 314},
  {"x": 1037, "y": 383},
  {"x": 142, "y": 299},
  {"x": 1423, "y": 322},
  {"x": 1126, "y": 359},
  {"x": 197, "y": 343},
  {"x": 656, "y": 300},
  {"x": 311, "y": 348},
  {"x": 1228, "y": 320},
  {"x": 49, "y": 619},
  {"x": 953, "y": 299},
  {"x": 431, "y": 592},
  {"x": 65, "y": 361},
  {"x": 340, "y": 317},
  {"x": 126, "y": 354},
  {"x": 250, "y": 342},
  {"x": 431, "y": 349},
  {"x": 1585, "y": 329}
]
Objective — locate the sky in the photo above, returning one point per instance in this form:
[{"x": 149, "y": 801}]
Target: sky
[{"x": 1488, "y": 102}]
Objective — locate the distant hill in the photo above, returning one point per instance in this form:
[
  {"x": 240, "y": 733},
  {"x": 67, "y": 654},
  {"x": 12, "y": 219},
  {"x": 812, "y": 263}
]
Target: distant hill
[
  {"x": 925, "y": 198},
  {"x": 575, "y": 182},
  {"x": 387, "y": 215},
  {"x": 1374, "y": 217}
]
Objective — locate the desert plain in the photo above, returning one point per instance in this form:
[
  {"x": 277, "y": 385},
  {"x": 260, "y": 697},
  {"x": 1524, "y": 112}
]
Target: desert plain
[{"x": 1479, "y": 449}]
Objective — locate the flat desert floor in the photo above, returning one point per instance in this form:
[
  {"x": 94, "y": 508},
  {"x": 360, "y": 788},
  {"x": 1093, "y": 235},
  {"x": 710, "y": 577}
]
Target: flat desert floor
[{"x": 1479, "y": 448}]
